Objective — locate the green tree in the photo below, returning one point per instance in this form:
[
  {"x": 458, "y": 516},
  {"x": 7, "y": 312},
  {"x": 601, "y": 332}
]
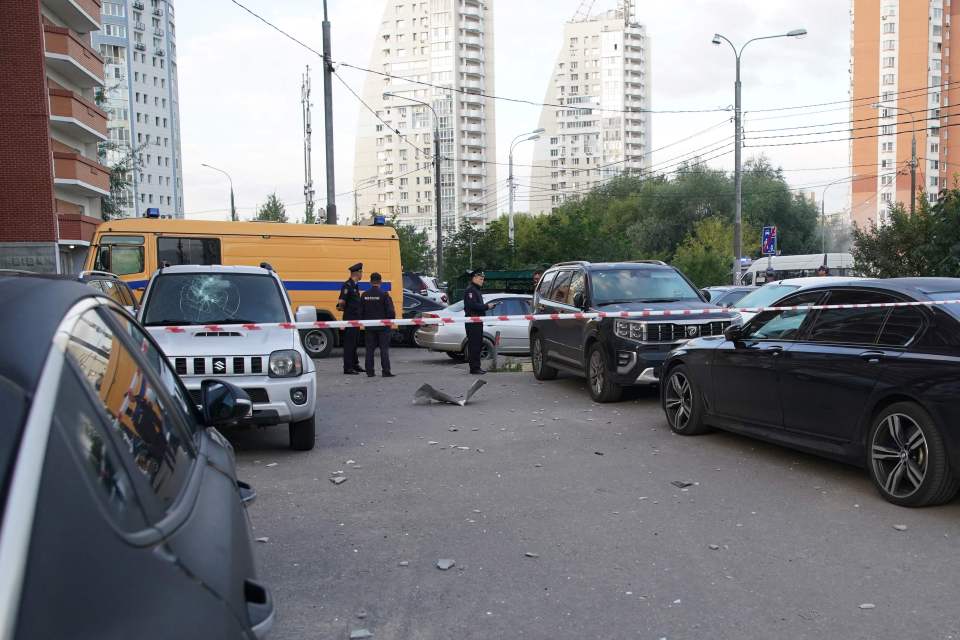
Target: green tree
[
  {"x": 416, "y": 254},
  {"x": 273, "y": 210},
  {"x": 706, "y": 254},
  {"x": 121, "y": 173},
  {"x": 906, "y": 246},
  {"x": 309, "y": 216}
]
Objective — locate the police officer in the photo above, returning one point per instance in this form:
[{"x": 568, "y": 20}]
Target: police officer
[
  {"x": 377, "y": 305},
  {"x": 474, "y": 307},
  {"x": 349, "y": 304}
]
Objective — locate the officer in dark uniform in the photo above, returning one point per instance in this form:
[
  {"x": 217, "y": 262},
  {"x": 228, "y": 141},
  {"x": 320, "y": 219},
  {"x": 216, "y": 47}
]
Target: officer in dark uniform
[
  {"x": 377, "y": 305},
  {"x": 474, "y": 307},
  {"x": 349, "y": 304}
]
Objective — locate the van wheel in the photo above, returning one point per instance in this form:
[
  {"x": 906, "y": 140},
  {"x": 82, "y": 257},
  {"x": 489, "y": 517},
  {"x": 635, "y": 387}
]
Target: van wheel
[
  {"x": 538, "y": 354},
  {"x": 602, "y": 388},
  {"x": 303, "y": 434},
  {"x": 317, "y": 342}
]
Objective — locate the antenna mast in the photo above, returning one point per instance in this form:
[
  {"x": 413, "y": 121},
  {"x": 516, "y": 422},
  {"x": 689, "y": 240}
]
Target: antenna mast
[
  {"x": 629, "y": 8},
  {"x": 583, "y": 11},
  {"x": 307, "y": 145}
]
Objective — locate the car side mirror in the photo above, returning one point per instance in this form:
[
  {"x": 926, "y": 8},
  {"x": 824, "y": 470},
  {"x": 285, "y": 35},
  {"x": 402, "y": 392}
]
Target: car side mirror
[
  {"x": 307, "y": 313},
  {"x": 733, "y": 333},
  {"x": 222, "y": 403},
  {"x": 705, "y": 294},
  {"x": 578, "y": 300}
]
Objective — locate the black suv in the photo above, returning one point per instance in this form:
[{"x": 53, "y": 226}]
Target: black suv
[{"x": 612, "y": 353}]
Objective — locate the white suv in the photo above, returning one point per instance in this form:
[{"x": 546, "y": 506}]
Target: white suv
[{"x": 192, "y": 311}]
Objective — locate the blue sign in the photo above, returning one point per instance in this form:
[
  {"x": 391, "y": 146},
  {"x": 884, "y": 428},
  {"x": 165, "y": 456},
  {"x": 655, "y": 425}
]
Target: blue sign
[
  {"x": 379, "y": 221},
  {"x": 152, "y": 212},
  {"x": 768, "y": 241}
]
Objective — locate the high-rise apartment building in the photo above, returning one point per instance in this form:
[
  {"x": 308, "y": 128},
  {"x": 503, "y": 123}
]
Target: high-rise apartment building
[
  {"x": 138, "y": 45},
  {"x": 901, "y": 54},
  {"x": 441, "y": 53},
  {"x": 602, "y": 76},
  {"x": 52, "y": 180}
]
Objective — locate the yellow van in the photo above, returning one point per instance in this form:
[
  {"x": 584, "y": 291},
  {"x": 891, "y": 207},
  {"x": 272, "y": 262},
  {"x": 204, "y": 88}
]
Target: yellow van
[{"x": 312, "y": 259}]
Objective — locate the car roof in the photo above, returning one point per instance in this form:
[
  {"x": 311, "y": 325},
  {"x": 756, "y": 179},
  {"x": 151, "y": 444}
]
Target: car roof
[
  {"x": 626, "y": 264},
  {"x": 44, "y": 300},
  {"x": 812, "y": 281},
  {"x": 214, "y": 268}
]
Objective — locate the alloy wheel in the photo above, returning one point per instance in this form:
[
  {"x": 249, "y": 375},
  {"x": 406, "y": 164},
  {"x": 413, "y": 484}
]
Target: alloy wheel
[
  {"x": 596, "y": 372},
  {"x": 679, "y": 400},
  {"x": 899, "y": 455},
  {"x": 537, "y": 355}
]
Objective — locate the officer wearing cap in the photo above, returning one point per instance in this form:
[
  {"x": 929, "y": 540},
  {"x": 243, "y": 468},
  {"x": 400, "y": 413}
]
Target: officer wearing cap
[
  {"x": 377, "y": 305},
  {"x": 474, "y": 307},
  {"x": 349, "y": 303}
]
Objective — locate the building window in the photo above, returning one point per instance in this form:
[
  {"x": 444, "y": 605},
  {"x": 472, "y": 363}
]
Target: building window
[
  {"x": 886, "y": 181},
  {"x": 885, "y": 197},
  {"x": 889, "y": 62},
  {"x": 889, "y": 78},
  {"x": 886, "y": 147},
  {"x": 934, "y": 147},
  {"x": 115, "y": 30},
  {"x": 886, "y": 130},
  {"x": 889, "y": 27},
  {"x": 934, "y": 182},
  {"x": 889, "y": 45}
]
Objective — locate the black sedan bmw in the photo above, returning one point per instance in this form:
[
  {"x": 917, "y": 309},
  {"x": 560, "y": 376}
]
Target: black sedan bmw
[
  {"x": 120, "y": 514},
  {"x": 875, "y": 387}
]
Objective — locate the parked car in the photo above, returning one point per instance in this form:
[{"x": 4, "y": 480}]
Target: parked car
[
  {"x": 103, "y": 281},
  {"x": 121, "y": 513},
  {"x": 414, "y": 306},
  {"x": 873, "y": 386},
  {"x": 726, "y": 297},
  {"x": 614, "y": 353},
  {"x": 766, "y": 295},
  {"x": 452, "y": 338},
  {"x": 426, "y": 286},
  {"x": 270, "y": 364}
]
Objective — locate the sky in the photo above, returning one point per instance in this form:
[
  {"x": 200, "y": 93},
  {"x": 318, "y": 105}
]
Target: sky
[{"x": 240, "y": 88}]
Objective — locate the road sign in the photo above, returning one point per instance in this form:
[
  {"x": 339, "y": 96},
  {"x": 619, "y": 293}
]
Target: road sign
[{"x": 768, "y": 241}]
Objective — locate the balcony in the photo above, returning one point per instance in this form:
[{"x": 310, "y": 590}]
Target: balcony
[
  {"x": 160, "y": 52},
  {"x": 476, "y": 157},
  {"x": 472, "y": 55},
  {"x": 68, "y": 56},
  {"x": 140, "y": 46},
  {"x": 83, "y": 16},
  {"x": 76, "y": 118},
  {"x": 472, "y": 84},
  {"x": 158, "y": 11},
  {"x": 473, "y": 70},
  {"x": 470, "y": 10},
  {"x": 473, "y": 128},
  {"x": 472, "y": 40},
  {"x": 474, "y": 113},
  {"x": 479, "y": 172},
  {"x": 158, "y": 33},
  {"x": 74, "y": 174},
  {"x": 472, "y": 26},
  {"x": 139, "y": 26},
  {"x": 138, "y": 5}
]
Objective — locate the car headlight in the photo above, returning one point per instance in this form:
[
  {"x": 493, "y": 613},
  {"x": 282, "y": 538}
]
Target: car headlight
[
  {"x": 630, "y": 330},
  {"x": 285, "y": 364}
]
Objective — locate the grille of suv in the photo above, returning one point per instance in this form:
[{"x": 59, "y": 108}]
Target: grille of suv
[
  {"x": 219, "y": 365},
  {"x": 669, "y": 332}
]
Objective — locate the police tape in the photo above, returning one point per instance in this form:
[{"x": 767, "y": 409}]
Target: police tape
[{"x": 434, "y": 320}]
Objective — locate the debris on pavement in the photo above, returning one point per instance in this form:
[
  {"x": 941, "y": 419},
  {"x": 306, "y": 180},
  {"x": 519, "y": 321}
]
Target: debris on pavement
[
  {"x": 599, "y": 453},
  {"x": 444, "y": 563},
  {"x": 714, "y": 547},
  {"x": 272, "y": 464},
  {"x": 263, "y": 539},
  {"x": 900, "y": 527},
  {"x": 361, "y": 614},
  {"x": 433, "y": 442},
  {"x": 682, "y": 484},
  {"x": 426, "y": 393},
  {"x": 338, "y": 479},
  {"x": 868, "y": 605},
  {"x": 404, "y": 563},
  {"x": 530, "y": 554},
  {"x": 360, "y": 634}
]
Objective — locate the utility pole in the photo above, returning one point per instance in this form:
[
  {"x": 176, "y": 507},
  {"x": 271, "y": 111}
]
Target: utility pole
[
  {"x": 436, "y": 191},
  {"x": 328, "y": 117},
  {"x": 356, "y": 207},
  {"x": 307, "y": 145}
]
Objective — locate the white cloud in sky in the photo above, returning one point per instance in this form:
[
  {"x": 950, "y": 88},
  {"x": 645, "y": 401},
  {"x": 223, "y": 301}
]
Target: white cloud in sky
[{"x": 240, "y": 86}]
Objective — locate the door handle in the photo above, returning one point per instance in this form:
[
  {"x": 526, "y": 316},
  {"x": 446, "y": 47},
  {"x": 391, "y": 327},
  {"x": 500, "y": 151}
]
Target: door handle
[
  {"x": 775, "y": 350},
  {"x": 873, "y": 357}
]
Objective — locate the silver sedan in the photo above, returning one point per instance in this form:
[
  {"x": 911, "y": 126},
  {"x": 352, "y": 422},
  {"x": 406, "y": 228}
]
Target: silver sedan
[{"x": 452, "y": 338}]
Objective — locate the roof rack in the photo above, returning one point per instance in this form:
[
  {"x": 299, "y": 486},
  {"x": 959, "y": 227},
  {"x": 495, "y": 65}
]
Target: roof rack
[
  {"x": 658, "y": 262},
  {"x": 94, "y": 272},
  {"x": 571, "y": 262}
]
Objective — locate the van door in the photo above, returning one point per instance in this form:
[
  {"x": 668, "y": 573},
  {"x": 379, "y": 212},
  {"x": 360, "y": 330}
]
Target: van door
[{"x": 123, "y": 256}]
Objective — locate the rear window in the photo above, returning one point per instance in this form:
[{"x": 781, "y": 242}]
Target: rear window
[{"x": 213, "y": 298}]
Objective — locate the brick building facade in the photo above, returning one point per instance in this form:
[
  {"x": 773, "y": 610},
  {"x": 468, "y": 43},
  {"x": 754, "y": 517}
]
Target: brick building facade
[{"x": 51, "y": 180}]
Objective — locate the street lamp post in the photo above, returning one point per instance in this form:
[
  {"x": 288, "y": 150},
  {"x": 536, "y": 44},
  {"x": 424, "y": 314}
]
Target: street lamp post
[
  {"x": 436, "y": 175},
  {"x": 511, "y": 189},
  {"x": 823, "y": 219},
  {"x": 738, "y": 145},
  {"x": 233, "y": 208},
  {"x": 913, "y": 152}
]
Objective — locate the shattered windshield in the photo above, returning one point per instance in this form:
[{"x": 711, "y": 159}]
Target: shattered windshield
[{"x": 213, "y": 298}]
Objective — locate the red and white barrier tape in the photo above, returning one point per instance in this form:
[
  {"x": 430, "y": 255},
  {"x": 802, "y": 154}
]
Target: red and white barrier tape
[{"x": 600, "y": 315}]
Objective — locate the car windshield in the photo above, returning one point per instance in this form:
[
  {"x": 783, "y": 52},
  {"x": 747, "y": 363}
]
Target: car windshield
[
  {"x": 727, "y": 298},
  {"x": 763, "y": 296},
  {"x": 213, "y": 298},
  {"x": 456, "y": 307},
  {"x": 611, "y": 286}
]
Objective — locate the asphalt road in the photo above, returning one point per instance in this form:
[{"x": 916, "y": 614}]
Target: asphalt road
[{"x": 800, "y": 543}]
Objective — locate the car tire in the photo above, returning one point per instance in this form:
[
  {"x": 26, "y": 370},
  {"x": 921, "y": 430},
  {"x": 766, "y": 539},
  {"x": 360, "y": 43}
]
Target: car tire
[
  {"x": 907, "y": 458},
  {"x": 538, "y": 356},
  {"x": 486, "y": 350},
  {"x": 682, "y": 403},
  {"x": 602, "y": 388},
  {"x": 453, "y": 355},
  {"x": 303, "y": 434},
  {"x": 318, "y": 343}
]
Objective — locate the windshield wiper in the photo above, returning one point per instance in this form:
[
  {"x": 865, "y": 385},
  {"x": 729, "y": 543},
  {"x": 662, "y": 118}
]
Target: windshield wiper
[
  {"x": 606, "y": 302},
  {"x": 167, "y": 323},
  {"x": 660, "y": 300}
]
